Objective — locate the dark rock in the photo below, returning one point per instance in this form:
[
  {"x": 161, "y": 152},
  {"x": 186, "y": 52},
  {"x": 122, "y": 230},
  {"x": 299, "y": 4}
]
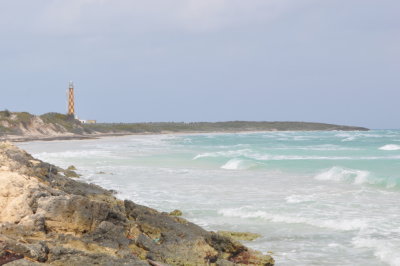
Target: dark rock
[
  {"x": 37, "y": 252},
  {"x": 67, "y": 222},
  {"x": 71, "y": 168},
  {"x": 71, "y": 174},
  {"x": 7, "y": 257},
  {"x": 109, "y": 235}
]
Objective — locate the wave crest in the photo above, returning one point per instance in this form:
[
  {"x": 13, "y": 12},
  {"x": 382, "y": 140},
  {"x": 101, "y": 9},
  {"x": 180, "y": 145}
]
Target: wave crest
[
  {"x": 357, "y": 177},
  {"x": 233, "y": 153},
  {"x": 248, "y": 154},
  {"x": 234, "y": 164},
  {"x": 238, "y": 164},
  {"x": 390, "y": 147},
  {"x": 384, "y": 250},
  {"x": 340, "y": 225},
  {"x": 343, "y": 174}
]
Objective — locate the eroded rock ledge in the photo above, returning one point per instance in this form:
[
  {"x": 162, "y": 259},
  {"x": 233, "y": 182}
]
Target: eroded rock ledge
[{"x": 48, "y": 218}]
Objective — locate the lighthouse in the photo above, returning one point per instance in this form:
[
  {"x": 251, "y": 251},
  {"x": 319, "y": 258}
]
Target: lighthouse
[{"x": 71, "y": 100}]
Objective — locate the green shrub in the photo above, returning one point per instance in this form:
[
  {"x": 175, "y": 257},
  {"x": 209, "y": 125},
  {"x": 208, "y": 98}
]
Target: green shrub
[{"x": 66, "y": 121}]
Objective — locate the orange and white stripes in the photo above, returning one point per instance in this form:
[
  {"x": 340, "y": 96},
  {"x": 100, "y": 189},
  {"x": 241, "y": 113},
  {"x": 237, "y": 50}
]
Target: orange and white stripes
[{"x": 71, "y": 100}]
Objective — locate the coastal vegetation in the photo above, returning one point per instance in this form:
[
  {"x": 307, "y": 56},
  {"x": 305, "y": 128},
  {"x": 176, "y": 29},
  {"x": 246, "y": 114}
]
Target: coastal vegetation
[
  {"x": 230, "y": 126},
  {"x": 25, "y": 126},
  {"x": 61, "y": 119},
  {"x": 10, "y": 122}
]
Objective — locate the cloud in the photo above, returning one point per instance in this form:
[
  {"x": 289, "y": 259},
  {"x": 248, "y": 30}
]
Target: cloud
[{"x": 85, "y": 16}]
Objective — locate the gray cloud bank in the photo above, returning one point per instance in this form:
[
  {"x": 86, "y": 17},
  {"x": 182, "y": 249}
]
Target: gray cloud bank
[{"x": 189, "y": 60}]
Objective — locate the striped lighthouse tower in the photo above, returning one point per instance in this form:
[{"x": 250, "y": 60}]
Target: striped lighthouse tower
[{"x": 71, "y": 99}]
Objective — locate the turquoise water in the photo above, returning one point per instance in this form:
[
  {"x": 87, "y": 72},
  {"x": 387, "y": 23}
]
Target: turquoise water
[{"x": 317, "y": 198}]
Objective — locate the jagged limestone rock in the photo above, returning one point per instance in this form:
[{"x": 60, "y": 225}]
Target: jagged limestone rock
[{"x": 52, "y": 219}]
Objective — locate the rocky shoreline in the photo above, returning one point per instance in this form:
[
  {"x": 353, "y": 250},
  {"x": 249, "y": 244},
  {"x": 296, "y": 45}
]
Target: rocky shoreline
[{"x": 48, "y": 218}]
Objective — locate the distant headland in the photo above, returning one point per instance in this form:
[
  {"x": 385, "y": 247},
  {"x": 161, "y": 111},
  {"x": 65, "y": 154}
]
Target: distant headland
[{"x": 23, "y": 126}]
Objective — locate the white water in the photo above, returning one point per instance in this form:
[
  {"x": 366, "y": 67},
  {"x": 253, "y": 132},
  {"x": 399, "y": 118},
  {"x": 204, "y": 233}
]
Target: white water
[
  {"x": 390, "y": 147},
  {"x": 325, "y": 198}
]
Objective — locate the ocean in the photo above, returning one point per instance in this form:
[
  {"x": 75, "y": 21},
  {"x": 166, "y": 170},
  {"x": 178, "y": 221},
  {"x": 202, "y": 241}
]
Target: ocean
[{"x": 317, "y": 198}]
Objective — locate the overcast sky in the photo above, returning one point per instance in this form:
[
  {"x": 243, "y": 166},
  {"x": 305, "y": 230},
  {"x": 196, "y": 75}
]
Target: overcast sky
[{"x": 334, "y": 61}]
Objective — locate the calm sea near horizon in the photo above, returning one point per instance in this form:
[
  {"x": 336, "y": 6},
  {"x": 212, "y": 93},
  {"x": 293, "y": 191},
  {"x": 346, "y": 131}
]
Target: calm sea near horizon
[{"x": 316, "y": 198}]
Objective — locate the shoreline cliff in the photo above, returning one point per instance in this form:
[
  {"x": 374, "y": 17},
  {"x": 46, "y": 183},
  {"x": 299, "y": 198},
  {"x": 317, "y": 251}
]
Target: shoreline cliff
[{"x": 48, "y": 218}]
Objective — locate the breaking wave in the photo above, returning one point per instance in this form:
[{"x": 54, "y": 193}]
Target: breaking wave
[
  {"x": 357, "y": 177},
  {"x": 222, "y": 154},
  {"x": 325, "y": 147},
  {"x": 248, "y": 154},
  {"x": 238, "y": 164},
  {"x": 343, "y": 174},
  {"x": 234, "y": 164},
  {"x": 349, "y": 139},
  {"x": 390, "y": 147},
  {"x": 384, "y": 250},
  {"x": 340, "y": 225}
]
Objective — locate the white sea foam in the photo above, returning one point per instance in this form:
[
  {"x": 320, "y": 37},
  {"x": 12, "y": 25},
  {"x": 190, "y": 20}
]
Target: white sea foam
[
  {"x": 384, "y": 250},
  {"x": 238, "y": 164},
  {"x": 392, "y": 182},
  {"x": 340, "y": 225},
  {"x": 233, "y": 164},
  {"x": 73, "y": 154},
  {"x": 232, "y": 146},
  {"x": 292, "y": 207},
  {"x": 311, "y": 157},
  {"x": 343, "y": 174},
  {"x": 233, "y": 153},
  {"x": 325, "y": 147},
  {"x": 358, "y": 134},
  {"x": 268, "y": 157},
  {"x": 299, "y": 198},
  {"x": 390, "y": 147},
  {"x": 349, "y": 139},
  {"x": 152, "y": 140},
  {"x": 357, "y": 177},
  {"x": 342, "y": 135},
  {"x": 247, "y": 153}
]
